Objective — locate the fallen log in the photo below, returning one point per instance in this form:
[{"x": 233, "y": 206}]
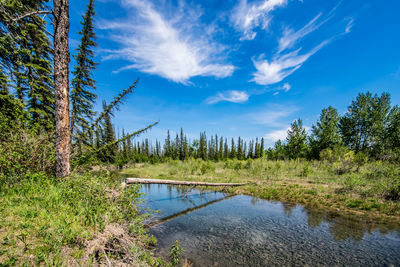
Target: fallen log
[{"x": 175, "y": 182}]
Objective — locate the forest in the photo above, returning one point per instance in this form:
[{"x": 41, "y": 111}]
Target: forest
[{"x": 61, "y": 162}]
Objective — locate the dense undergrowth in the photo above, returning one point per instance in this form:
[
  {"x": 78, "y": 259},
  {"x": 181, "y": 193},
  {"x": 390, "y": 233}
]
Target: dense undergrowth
[
  {"x": 347, "y": 185},
  {"x": 83, "y": 220}
]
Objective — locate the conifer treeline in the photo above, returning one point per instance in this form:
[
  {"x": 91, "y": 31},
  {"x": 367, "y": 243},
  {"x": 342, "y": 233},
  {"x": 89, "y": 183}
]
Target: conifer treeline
[
  {"x": 369, "y": 129},
  {"x": 181, "y": 148}
]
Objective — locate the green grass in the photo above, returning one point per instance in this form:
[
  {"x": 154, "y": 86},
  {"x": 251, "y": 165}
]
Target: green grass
[
  {"x": 372, "y": 189},
  {"x": 71, "y": 222}
]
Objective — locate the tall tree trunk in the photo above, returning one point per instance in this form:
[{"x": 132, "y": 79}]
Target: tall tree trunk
[{"x": 61, "y": 85}]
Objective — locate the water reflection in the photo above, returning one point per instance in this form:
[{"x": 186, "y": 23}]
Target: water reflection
[{"x": 216, "y": 229}]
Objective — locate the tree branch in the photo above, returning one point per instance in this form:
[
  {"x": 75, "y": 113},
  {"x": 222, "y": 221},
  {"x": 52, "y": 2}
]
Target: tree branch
[{"x": 31, "y": 14}]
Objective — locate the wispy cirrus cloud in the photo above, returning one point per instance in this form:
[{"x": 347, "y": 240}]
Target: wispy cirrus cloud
[
  {"x": 233, "y": 96},
  {"x": 175, "y": 47},
  {"x": 290, "y": 37},
  {"x": 285, "y": 60},
  {"x": 281, "y": 66},
  {"x": 246, "y": 17}
]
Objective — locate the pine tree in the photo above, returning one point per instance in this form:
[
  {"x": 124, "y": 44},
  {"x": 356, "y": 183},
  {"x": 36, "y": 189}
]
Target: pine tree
[
  {"x": 297, "y": 140},
  {"x": 168, "y": 145},
  {"x": 262, "y": 148},
  {"x": 109, "y": 138},
  {"x": 233, "y": 149},
  {"x": 82, "y": 96},
  {"x": 26, "y": 58},
  {"x": 226, "y": 149},
  {"x": 221, "y": 148},
  {"x": 240, "y": 148}
]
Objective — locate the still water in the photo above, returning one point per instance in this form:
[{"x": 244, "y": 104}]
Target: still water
[{"x": 216, "y": 229}]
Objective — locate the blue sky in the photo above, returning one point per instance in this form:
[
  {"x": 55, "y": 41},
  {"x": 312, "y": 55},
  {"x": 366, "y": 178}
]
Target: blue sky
[{"x": 241, "y": 68}]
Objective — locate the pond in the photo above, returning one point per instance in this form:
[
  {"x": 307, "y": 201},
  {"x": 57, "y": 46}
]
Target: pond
[{"x": 216, "y": 229}]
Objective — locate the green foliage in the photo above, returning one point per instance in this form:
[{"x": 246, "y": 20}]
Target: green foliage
[
  {"x": 49, "y": 221},
  {"x": 326, "y": 134},
  {"x": 175, "y": 254},
  {"x": 297, "y": 146},
  {"x": 25, "y": 58},
  {"x": 363, "y": 126},
  {"x": 22, "y": 149},
  {"x": 82, "y": 96}
]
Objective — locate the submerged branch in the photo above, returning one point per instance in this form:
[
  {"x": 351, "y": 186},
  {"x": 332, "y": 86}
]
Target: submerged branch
[{"x": 176, "y": 215}]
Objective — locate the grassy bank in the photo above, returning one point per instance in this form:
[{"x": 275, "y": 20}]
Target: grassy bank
[
  {"x": 83, "y": 220},
  {"x": 368, "y": 189}
]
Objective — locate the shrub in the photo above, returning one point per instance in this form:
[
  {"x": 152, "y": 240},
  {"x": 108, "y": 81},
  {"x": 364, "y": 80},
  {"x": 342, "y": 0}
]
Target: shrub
[{"x": 175, "y": 254}]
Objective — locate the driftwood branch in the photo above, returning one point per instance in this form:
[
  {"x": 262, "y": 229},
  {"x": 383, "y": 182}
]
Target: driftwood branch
[
  {"x": 174, "y": 182},
  {"x": 176, "y": 215},
  {"x": 37, "y": 12}
]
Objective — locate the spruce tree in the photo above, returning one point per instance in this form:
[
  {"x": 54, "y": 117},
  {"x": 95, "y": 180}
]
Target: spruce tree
[
  {"x": 82, "y": 96},
  {"x": 240, "y": 148},
  {"x": 226, "y": 149},
  {"x": 168, "y": 145},
  {"x": 109, "y": 138},
  {"x": 26, "y": 58},
  {"x": 262, "y": 148},
  {"x": 297, "y": 140},
  {"x": 221, "y": 148},
  {"x": 233, "y": 149}
]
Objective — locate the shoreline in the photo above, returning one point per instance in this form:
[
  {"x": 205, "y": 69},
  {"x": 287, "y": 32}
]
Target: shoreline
[{"x": 330, "y": 194}]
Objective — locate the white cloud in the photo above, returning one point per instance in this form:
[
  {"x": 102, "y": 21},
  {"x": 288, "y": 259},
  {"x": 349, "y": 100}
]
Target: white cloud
[
  {"x": 229, "y": 96},
  {"x": 281, "y": 66},
  {"x": 281, "y": 134},
  {"x": 285, "y": 60},
  {"x": 176, "y": 48},
  {"x": 349, "y": 25},
  {"x": 291, "y": 37},
  {"x": 286, "y": 87},
  {"x": 246, "y": 17},
  {"x": 276, "y": 135}
]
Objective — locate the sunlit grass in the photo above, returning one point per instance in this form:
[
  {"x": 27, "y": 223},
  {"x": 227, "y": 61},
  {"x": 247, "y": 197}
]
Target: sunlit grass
[{"x": 49, "y": 222}]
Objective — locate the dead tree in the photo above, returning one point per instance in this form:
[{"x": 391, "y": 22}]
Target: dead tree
[{"x": 61, "y": 86}]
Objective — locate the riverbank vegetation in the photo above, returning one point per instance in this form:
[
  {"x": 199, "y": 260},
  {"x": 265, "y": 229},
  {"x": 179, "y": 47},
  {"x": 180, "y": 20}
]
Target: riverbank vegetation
[
  {"x": 339, "y": 186},
  {"x": 49, "y": 215},
  {"x": 54, "y": 211},
  {"x": 346, "y": 163}
]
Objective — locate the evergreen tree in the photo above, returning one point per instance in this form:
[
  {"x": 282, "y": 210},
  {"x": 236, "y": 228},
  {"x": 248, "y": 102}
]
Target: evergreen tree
[
  {"x": 221, "y": 148},
  {"x": 168, "y": 145},
  {"x": 240, "y": 148},
  {"x": 226, "y": 149},
  {"x": 82, "y": 96},
  {"x": 326, "y": 134},
  {"x": 297, "y": 140},
  {"x": 233, "y": 149},
  {"x": 280, "y": 150},
  {"x": 110, "y": 152},
  {"x": 26, "y": 58},
  {"x": 251, "y": 154},
  {"x": 262, "y": 148}
]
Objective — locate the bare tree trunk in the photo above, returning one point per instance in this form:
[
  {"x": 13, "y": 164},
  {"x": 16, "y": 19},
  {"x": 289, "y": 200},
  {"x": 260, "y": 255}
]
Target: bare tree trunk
[{"x": 61, "y": 85}]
